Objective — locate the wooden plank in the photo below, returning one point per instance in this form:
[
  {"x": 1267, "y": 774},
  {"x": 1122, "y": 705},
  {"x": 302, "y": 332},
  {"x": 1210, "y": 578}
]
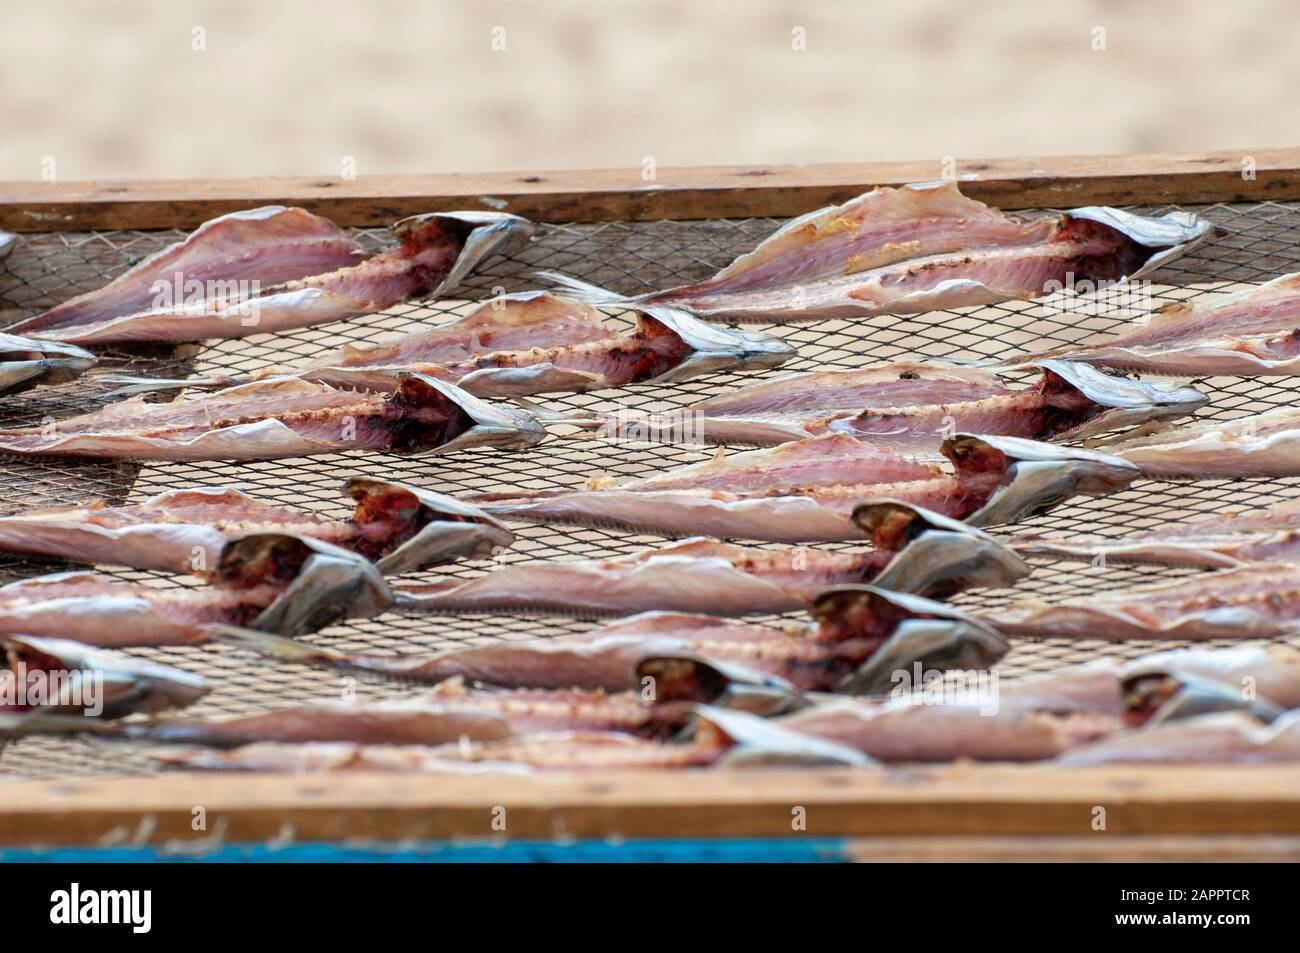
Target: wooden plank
[
  {"x": 956, "y": 799},
  {"x": 704, "y": 192},
  {"x": 1078, "y": 849}
]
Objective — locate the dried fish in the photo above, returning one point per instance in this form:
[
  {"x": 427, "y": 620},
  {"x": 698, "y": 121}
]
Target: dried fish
[
  {"x": 1218, "y": 541},
  {"x": 1252, "y": 601},
  {"x": 923, "y": 248},
  {"x": 85, "y": 681},
  {"x": 1252, "y": 333},
  {"x": 25, "y": 362},
  {"x": 1230, "y": 737},
  {"x": 806, "y": 491},
  {"x": 400, "y": 527},
  {"x": 916, "y": 406},
  {"x": 861, "y": 636},
  {"x": 283, "y": 417},
  {"x": 1266, "y": 444},
  {"x": 210, "y": 285},
  {"x": 532, "y": 343},
  {"x": 276, "y": 582},
  {"x": 916, "y": 551}
]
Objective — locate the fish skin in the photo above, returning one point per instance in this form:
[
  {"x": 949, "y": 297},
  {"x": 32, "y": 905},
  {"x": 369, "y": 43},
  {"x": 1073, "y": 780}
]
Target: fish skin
[
  {"x": 184, "y": 530},
  {"x": 901, "y": 406},
  {"x": 1219, "y": 738},
  {"x": 1262, "y": 445},
  {"x": 26, "y": 362},
  {"x": 806, "y": 491},
  {"x": 430, "y": 257},
  {"x": 282, "y": 417},
  {"x": 1086, "y": 244},
  {"x": 127, "y": 684},
  {"x": 1251, "y": 601},
  {"x": 1221, "y": 541},
  {"x": 1250, "y": 333}
]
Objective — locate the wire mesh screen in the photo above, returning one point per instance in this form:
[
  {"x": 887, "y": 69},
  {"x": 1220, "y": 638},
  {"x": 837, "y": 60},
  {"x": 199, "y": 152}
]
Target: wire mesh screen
[{"x": 1263, "y": 241}]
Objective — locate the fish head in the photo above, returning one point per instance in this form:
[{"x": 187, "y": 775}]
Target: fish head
[
  {"x": 913, "y": 632},
  {"x": 1033, "y": 476},
  {"x": 479, "y": 235},
  {"x": 751, "y": 741},
  {"x": 934, "y": 554},
  {"x": 1158, "y": 239},
  {"x": 714, "y": 348},
  {"x": 25, "y": 362},
  {"x": 439, "y": 416},
  {"x": 688, "y": 678},
  {"x": 1117, "y": 403},
  {"x": 321, "y": 582},
  {"x": 124, "y": 684},
  {"x": 1161, "y": 693},
  {"x": 440, "y": 528}
]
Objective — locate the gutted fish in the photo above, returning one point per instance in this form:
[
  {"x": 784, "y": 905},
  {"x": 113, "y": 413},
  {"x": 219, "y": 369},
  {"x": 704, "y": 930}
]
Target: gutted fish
[
  {"x": 399, "y": 527},
  {"x": 211, "y": 284},
  {"x": 25, "y": 362},
  {"x": 283, "y": 417},
  {"x": 532, "y": 343},
  {"x": 274, "y": 582},
  {"x": 1266, "y": 445},
  {"x": 75, "y": 679},
  {"x": 915, "y": 551},
  {"x": 1218, "y": 541},
  {"x": 1229, "y": 737},
  {"x": 861, "y": 636},
  {"x": 916, "y": 406},
  {"x": 925, "y": 248},
  {"x": 1252, "y": 601},
  {"x": 806, "y": 491},
  {"x": 1250, "y": 333}
]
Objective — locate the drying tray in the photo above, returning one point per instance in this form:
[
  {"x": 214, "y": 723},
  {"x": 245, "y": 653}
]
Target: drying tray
[{"x": 631, "y": 237}]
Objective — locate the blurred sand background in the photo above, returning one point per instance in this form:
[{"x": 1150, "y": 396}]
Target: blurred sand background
[{"x": 118, "y": 90}]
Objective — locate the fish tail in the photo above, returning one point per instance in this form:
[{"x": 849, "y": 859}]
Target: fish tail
[
  {"x": 276, "y": 646},
  {"x": 585, "y": 291},
  {"x": 127, "y": 385}
]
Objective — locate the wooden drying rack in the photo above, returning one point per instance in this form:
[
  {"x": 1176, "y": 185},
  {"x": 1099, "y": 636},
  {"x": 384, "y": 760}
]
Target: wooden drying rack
[{"x": 947, "y": 812}]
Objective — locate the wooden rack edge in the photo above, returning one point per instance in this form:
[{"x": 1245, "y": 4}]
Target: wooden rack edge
[
  {"x": 949, "y": 800},
  {"x": 687, "y": 193}
]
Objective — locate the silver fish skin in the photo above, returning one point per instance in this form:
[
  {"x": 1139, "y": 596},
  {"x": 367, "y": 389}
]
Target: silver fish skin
[
  {"x": 1251, "y": 601},
  {"x": 915, "y": 407},
  {"x": 806, "y": 491},
  {"x": 400, "y": 527},
  {"x": 7, "y": 242},
  {"x": 1091, "y": 244},
  {"x": 1219, "y": 738},
  {"x": 434, "y": 254},
  {"x": 1221, "y": 541},
  {"x": 1260, "y": 445},
  {"x": 122, "y": 684},
  {"x": 273, "y": 582},
  {"x": 26, "y": 362},
  {"x": 1250, "y": 333},
  {"x": 284, "y": 417}
]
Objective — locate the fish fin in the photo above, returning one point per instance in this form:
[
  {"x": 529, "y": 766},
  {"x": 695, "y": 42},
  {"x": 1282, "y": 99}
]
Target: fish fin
[
  {"x": 130, "y": 386},
  {"x": 585, "y": 291}
]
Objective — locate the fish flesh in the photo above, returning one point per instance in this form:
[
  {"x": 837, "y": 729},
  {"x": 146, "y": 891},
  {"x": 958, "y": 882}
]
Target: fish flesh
[
  {"x": 1226, "y": 737},
  {"x": 1260, "y": 445},
  {"x": 923, "y": 248},
  {"x": 283, "y": 417},
  {"x": 276, "y": 582},
  {"x": 860, "y": 636},
  {"x": 25, "y": 362},
  {"x": 87, "y": 681},
  {"x": 1251, "y": 333},
  {"x": 210, "y": 284},
  {"x": 1251, "y": 601},
  {"x": 1218, "y": 541},
  {"x": 807, "y": 491},
  {"x": 399, "y": 527},
  {"x": 915, "y": 551},
  {"x": 519, "y": 345},
  {"x": 916, "y": 406}
]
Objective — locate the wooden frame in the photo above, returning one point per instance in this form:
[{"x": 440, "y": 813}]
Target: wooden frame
[{"x": 924, "y": 813}]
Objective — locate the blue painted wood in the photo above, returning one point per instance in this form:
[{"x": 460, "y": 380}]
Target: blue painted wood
[{"x": 769, "y": 850}]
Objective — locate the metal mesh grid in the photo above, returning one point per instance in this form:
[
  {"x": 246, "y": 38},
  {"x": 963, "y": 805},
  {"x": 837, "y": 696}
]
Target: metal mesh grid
[{"x": 1263, "y": 241}]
